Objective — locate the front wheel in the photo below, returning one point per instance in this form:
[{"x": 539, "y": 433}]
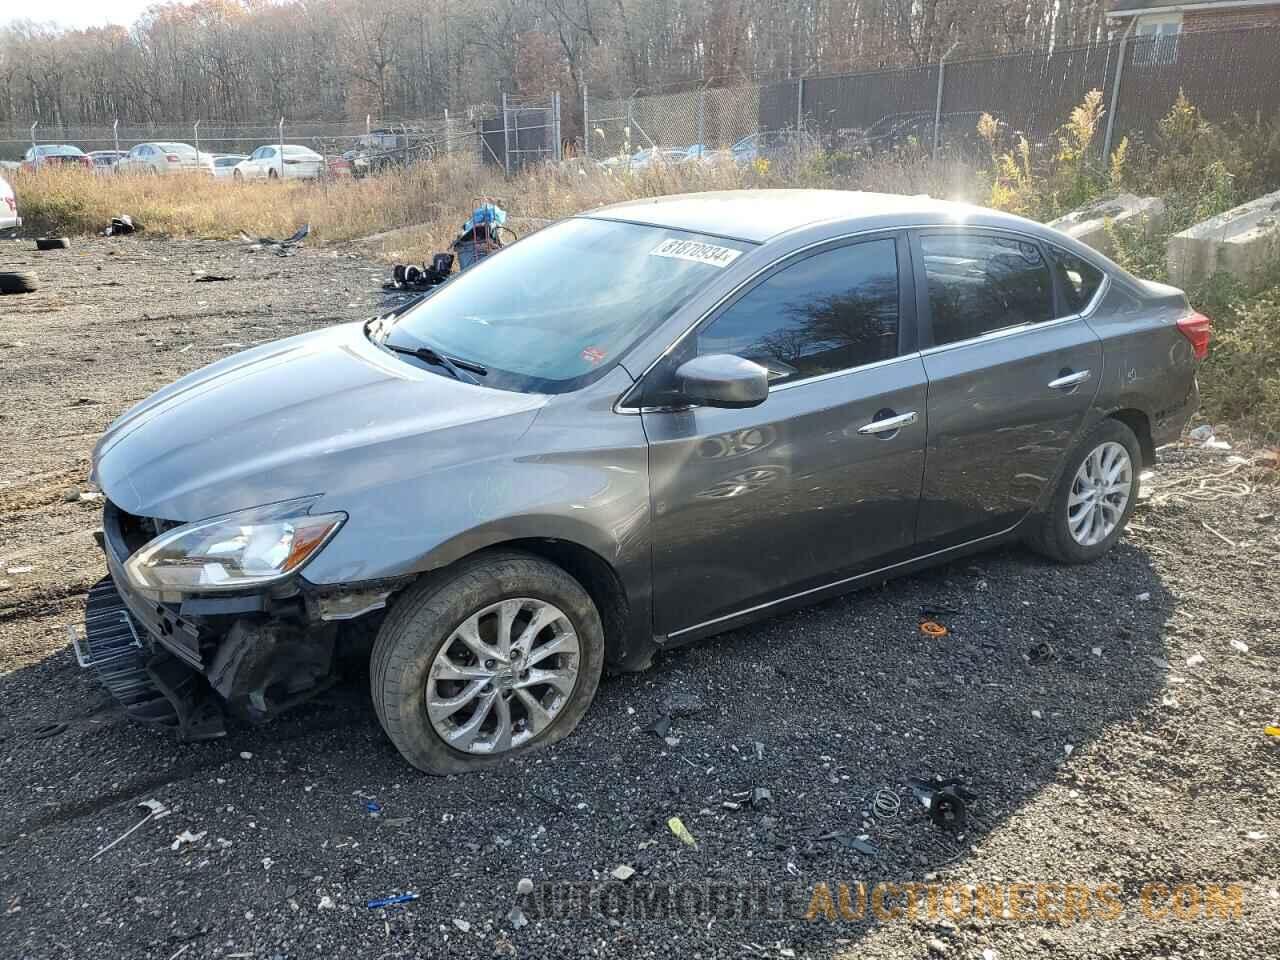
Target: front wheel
[
  {"x": 1094, "y": 498},
  {"x": 500, "y": 657}
]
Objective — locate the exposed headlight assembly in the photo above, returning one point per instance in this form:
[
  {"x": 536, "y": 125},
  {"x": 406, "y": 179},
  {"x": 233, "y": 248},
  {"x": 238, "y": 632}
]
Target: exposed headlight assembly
[{"x": 236, "y": 551}]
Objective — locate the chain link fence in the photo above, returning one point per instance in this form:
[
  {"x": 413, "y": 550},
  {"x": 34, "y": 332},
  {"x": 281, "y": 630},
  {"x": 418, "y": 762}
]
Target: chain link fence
[{"x": 1226, "y": 74}]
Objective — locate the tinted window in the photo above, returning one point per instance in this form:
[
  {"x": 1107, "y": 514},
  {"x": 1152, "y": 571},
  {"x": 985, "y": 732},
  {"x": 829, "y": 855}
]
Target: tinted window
[
  {"x": 829, "y": 312},
  {"x": 1080, "y": 280},
  {"x": 981, "y": 283}
]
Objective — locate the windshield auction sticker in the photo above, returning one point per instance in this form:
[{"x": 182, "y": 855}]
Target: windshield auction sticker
[{"x": 696, "y": 251}]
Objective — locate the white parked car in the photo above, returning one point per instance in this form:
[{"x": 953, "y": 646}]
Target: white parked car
[
  {"x": 224, "y": 164},
  {"x": 164, "y": 158},
  {"x": 267, "y": 163},
  {"x": 9, "y": 219},
  {"x": 104, "y": 161}
]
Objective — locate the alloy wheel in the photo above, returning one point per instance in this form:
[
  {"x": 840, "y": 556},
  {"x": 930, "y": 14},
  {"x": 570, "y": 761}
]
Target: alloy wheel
[
  {"x": 503, "y": 676},
  {"x": 1099, "y": 493}
]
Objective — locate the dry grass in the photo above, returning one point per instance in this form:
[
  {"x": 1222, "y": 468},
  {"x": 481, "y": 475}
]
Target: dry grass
[{"x": 408, "y": 215}]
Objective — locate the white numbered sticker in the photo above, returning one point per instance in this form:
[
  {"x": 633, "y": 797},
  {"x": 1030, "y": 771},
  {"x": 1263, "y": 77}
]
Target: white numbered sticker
[{"x": 696, "y": 251}]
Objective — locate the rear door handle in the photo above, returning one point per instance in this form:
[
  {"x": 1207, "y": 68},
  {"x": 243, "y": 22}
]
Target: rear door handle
[
  {"x": 1069, "y": 380},
  {"x": 888, "y": 424}
]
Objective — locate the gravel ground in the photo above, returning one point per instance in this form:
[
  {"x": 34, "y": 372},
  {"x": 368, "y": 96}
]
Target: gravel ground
[{"x": 1072, "y": 701}]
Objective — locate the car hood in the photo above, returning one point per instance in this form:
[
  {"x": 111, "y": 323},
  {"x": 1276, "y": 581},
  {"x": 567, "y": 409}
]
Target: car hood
[{"x": 322, "y": 413}]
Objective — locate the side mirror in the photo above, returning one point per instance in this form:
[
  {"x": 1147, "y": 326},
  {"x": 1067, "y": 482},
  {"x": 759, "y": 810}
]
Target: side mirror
[{"x": 722, "y": 380}]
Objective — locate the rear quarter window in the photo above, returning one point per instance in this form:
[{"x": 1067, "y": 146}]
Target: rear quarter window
[{"x": 1079, "y": 280}]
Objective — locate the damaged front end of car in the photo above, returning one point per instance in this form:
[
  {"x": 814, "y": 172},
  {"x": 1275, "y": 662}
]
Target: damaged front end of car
[{"x": 200, "y": 618}]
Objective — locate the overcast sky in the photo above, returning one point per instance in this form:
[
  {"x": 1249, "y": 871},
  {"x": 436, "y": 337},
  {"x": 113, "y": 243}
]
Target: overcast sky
[{"x": 78, "y": 13}]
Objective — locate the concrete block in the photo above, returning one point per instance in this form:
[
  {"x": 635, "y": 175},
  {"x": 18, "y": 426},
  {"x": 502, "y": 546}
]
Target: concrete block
[
  {"x": 1088, "y": 224},
  {"x": 1244, "y": 242}
]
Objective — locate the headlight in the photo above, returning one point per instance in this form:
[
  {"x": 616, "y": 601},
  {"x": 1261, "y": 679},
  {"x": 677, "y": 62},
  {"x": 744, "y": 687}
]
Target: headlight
[{"x": 236, "y": 551}]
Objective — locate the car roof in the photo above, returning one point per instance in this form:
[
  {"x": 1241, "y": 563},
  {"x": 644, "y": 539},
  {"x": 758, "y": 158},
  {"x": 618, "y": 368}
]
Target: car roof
[{"x": 759, "y": 215}]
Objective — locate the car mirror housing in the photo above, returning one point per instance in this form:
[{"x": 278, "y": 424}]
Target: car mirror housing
[{"x": 722, "y": 380}]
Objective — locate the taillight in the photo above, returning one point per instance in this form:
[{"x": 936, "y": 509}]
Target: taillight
[
  {"x": 292, "y": 161},
  {"x": 1197, "y": 328},
  {"x": 172, "y": 158},
  {"x": 86, "y": 161}
]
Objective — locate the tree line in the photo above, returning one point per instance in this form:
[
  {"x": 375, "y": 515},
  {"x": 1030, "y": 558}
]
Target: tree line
[{"x": 242, "y": 61}]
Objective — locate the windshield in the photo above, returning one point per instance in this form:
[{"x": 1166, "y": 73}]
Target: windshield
[{"x": 560, "y": 308}]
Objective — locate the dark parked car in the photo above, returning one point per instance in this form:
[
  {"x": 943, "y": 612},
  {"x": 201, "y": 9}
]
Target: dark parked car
[
  {"x": 732, "y": 404},
  {"x": 54, "y": 155}
]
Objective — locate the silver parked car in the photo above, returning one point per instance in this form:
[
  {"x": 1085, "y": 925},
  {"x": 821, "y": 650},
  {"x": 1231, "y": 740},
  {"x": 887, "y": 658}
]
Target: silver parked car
[{"x": 732, "y": 404}]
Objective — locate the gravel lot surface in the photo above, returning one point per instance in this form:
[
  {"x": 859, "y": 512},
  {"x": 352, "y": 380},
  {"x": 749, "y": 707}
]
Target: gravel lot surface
[{"x": 1108, "y": 718}]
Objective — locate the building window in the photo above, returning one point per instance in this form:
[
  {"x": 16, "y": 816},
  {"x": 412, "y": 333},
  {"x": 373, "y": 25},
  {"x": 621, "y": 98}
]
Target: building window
[{"x": 1157, "y": 39}]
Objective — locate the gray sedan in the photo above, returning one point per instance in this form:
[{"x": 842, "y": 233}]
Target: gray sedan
[{"x": 635, "y": 428}]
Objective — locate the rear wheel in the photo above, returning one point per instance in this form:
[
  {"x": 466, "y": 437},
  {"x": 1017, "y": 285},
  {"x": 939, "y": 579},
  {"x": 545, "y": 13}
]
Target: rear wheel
[
  {"x": 1094, "y": 498},
  {"x": 272, "y": 175},
  {"x": 17, "y": 282},
  {"x": 237, "y": 175},
  {"x": 500, "y": 657}
]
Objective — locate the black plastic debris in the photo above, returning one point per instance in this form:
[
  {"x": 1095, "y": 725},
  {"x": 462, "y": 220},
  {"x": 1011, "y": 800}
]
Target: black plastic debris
[
  {"x": 283, "y": 248},
  {"x": 1042, "y": 652},
  {"x": 212, "y": 278},
  {"x": 412, "y": 276},
  {"x": 660, "y": 727},
  {"x": 854, "y": 843},
  {"x": 120, "y": 225},
  {"x": 761, "y": 798},
  {"x": 946, "y": 801}
]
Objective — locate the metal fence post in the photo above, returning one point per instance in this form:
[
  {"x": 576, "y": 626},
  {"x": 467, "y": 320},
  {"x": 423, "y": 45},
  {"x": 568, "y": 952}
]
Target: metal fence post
[
  {"x": 506, "y": 137},
  {"x": 799, "y": 106},
  {"x": 115, "y": 132},
  {"x": 586, "y": 125},
  {"x": 556, "y": 102},
  {"x": 702, "y": 120},
  {"x": 34, "y": 124},
  {"x": 937, "y": 106},
  {"x": 280, "y": 131},
  {"x": 195, "y": 129},
  {"x": 1115, "y": 95}
]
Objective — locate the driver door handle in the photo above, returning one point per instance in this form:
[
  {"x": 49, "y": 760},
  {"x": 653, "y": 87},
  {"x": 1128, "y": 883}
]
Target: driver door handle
[
  {"x": 1069, "y": 380},
  {"x": 888, "y": 424}
]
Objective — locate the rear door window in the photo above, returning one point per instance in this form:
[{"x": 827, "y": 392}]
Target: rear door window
[
  {"x": 832, "y": 311},
  {"x": 1078, "y": 280},
  {"x": 979, "y": 283}
]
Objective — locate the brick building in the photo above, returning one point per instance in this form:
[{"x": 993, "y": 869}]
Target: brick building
[{"x": 1163, "y": 21}]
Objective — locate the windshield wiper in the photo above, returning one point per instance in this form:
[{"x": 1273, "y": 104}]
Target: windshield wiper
[{"x": 453, "y": 365}]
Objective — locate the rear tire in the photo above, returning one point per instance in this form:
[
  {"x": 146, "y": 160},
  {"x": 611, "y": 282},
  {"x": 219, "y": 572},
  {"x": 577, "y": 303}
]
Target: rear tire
[
  {"x": 272, "y": 175},
  {"x": 52, "y": 243},
  {"x": 17, "y": 283},
  {"x": 1051, "y": 533},
  {"x": 422, "y": 628}
]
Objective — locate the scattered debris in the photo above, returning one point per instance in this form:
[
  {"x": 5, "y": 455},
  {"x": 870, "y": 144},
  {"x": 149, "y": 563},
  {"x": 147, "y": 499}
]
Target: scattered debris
[
  {"x": 120, "y": 225},
  {"x": 1255, "y": 835},
  {"x": 1272, "y": 731},
  {"x": 1195, "y": 660},
  {"x": 759, "y": 749},
  {"x": 283, "y": 248},
  {"x": 859, "y": 844},
  {"x": 932, "y": 628},
  {"x": 1229, "y": 542},
  {"x": 25, "y": 568},
  {"x": 761, "y": 798},
  {"x": 623, "y": 872},
  {"x": 462, "y": 925},
  {"x": 1068, "y": 748},
  {"x": 391, "y": 901},
  {"x": 185, "y": 837},
  {"x": 46, "y": 730},
  {"x": 1042, "y": 652},
  {"x": 156, "y": 811},
  {"x": 212, "y": 278},
  {"x": 1201, "y": 433},
  {"x": 373, "y": 807},
  {"x": 660, "y": 727},
  {"x": 18, "y": 283},
  {"x": 886, "y": 804},
  {"x": 517, "y": 918},
  {"x": 326, "y": 903},
  {"x": 946, "y": 801},
  {"x": 730, "y": 805},
  {"x": 679, "y": 705},
  {"x": 682, "y": 833},
  {"x": 1144, "y": 596},
  {"x": 246, "y": 755},
  {"x": 52, "y": 243},
  {"x": 525, "y": 886}
]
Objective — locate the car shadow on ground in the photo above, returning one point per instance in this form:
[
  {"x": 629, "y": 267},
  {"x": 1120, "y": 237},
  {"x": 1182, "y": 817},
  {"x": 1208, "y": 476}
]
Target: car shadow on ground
[{"x": 822, "y": 707}]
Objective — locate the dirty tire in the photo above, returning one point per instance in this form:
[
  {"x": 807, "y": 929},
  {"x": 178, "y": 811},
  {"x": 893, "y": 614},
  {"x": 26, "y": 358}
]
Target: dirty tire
[
  {"x": 424, "y": 618},
  {"x": 1049, "y": 533},
  {"x": 17, "y": 283},
  {"x": 52, "y": 243}
]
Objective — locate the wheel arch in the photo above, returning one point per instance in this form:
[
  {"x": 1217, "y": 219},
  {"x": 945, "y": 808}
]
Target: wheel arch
[
  {"x": 1140, "y": 423},
  {"x": 619, "y": 588}
]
